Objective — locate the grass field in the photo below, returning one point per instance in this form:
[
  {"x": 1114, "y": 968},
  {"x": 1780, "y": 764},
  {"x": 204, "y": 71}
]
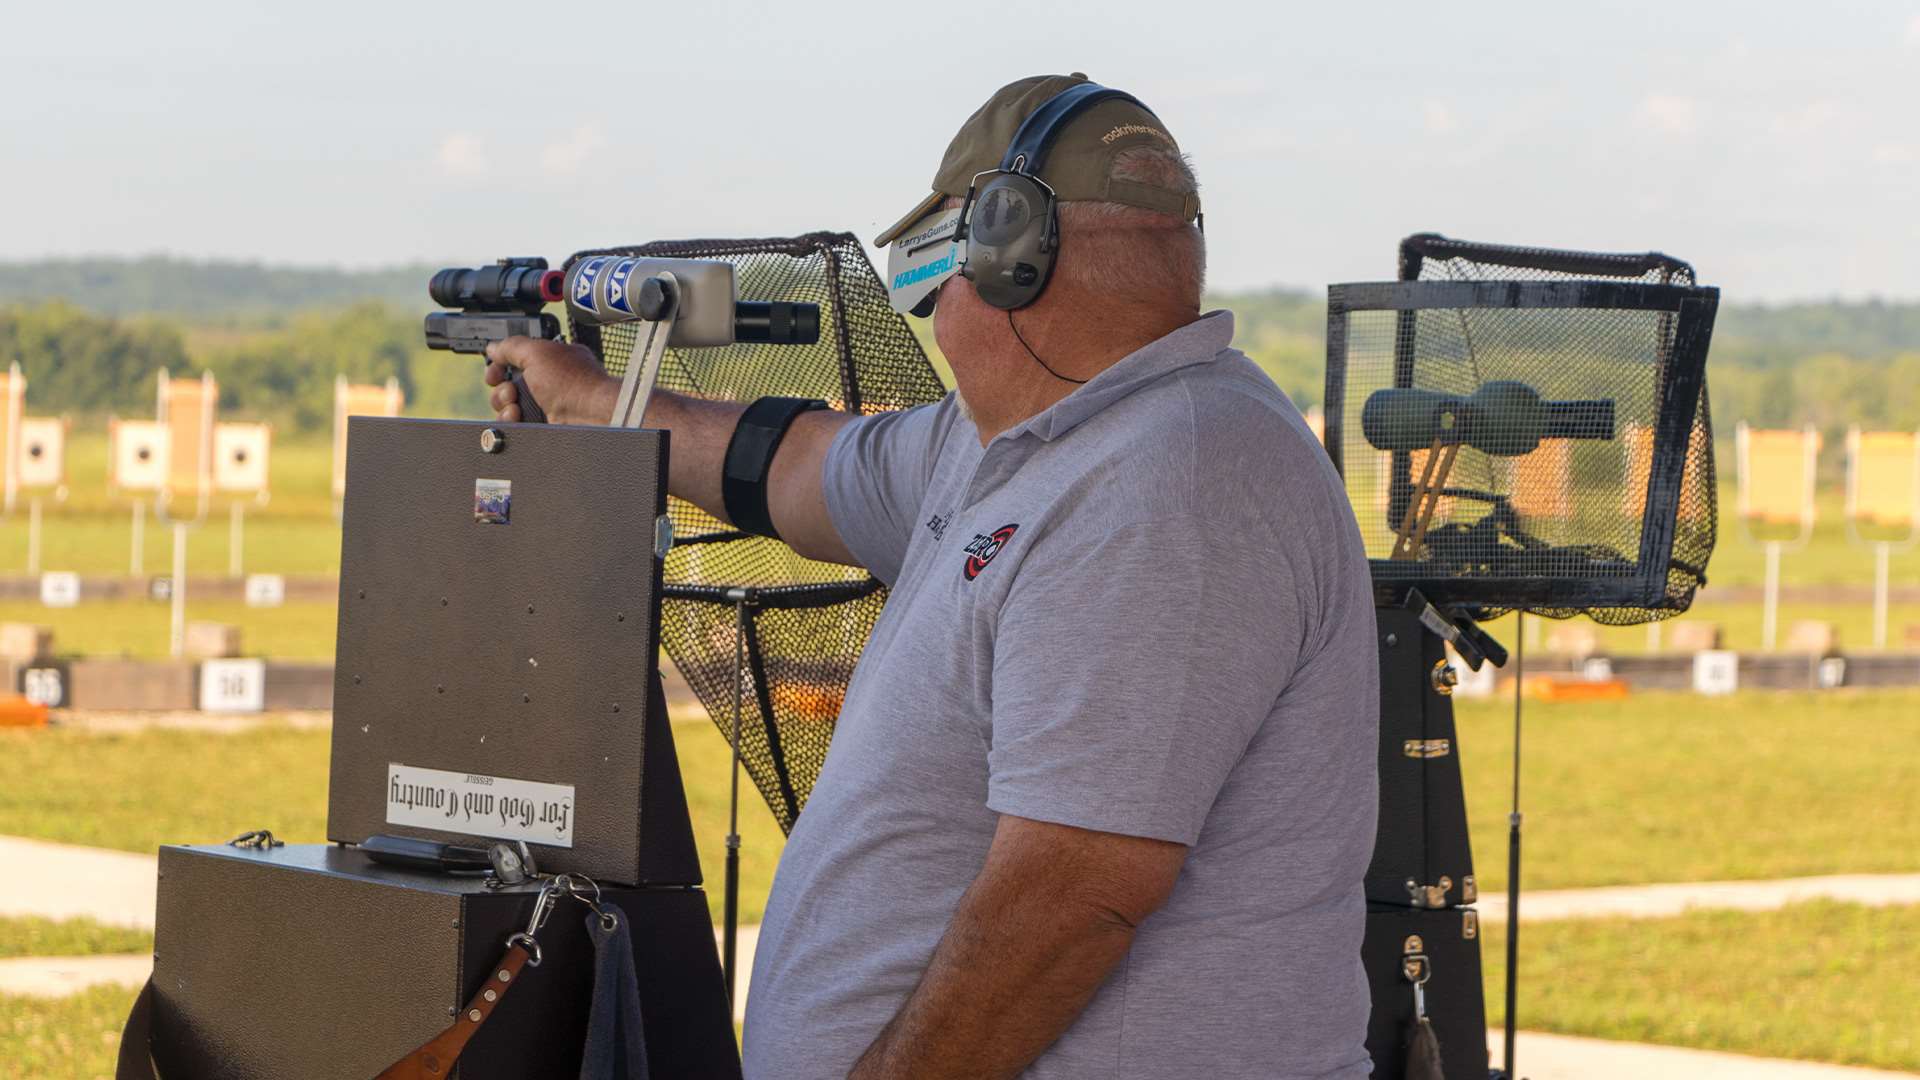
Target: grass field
[
  {"x": 1662, "y": 788},
  {"x": 70, "y": 1038},
  {"x": 1673, "y": 787},
  {"x": 294, "y": 631},
  {"x": 135, "y": 792},
  {"x": 34, "y": 936},
  {"x": 297, "y": 534},
  {"x": 1820, "y": 981}
]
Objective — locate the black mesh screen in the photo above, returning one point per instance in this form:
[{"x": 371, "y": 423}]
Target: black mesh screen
[
  {"x": 1525, "y": 428},
  {"x": 805, "y": 622}
]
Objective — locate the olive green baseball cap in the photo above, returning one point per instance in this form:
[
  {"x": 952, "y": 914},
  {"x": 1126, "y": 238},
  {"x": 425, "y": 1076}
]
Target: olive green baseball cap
[{"x": 1079, "y": 165}]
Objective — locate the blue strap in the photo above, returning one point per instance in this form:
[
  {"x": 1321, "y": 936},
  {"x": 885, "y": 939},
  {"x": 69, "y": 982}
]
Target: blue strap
[{"x": 1037, "y": 132}]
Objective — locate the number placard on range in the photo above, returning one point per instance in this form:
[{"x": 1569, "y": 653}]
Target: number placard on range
[
  {"x": 45, "y": 685},
  {"x": 59, "y": 588},
  {"x": 266, "y": 590},
  {"x": 233, "y": 686}
]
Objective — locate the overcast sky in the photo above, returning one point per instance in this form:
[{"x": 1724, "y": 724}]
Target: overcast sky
[{"x": 1775, "y": 145}]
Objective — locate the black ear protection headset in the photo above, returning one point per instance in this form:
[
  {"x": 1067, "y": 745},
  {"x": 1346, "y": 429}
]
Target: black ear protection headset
[{"x": 1011, "y": 223}]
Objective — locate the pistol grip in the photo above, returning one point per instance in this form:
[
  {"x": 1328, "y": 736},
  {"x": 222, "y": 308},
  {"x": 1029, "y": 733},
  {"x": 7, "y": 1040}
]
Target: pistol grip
[{"x": 530, "y": 410}]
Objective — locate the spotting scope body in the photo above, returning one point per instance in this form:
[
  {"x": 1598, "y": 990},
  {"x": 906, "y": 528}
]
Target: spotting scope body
[
  {"x": 1502, "y": 418},
  {"x": 701, "y": 293}
]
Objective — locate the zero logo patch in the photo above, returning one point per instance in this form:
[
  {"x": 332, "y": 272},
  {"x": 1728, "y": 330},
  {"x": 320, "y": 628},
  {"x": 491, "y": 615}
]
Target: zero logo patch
[{"x": 982, "y": 548}]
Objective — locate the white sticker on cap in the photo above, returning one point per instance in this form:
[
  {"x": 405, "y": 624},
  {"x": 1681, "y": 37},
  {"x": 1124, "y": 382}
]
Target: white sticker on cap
[{"x": 925, "y": 256}]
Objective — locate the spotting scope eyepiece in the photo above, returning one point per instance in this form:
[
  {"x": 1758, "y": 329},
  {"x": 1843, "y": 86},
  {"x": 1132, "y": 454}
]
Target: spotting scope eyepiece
[{"x": 1503, "y": 418}]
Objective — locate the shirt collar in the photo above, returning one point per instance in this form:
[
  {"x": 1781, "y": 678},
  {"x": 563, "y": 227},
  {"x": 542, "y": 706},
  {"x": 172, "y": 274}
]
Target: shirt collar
[{"x": 1195, "y": 343}]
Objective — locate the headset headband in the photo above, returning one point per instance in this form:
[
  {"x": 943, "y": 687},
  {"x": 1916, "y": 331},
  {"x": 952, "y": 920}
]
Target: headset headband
[{"x": 1036, "y": 133}]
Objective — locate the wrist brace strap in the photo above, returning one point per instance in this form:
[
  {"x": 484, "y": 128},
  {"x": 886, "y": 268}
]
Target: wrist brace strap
[{"x": 743, "y": 477}]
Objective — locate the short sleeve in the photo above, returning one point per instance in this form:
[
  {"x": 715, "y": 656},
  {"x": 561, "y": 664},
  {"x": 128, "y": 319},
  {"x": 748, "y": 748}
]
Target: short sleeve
[
  {"x": 1130, "y": 675},
  {"x": 875, "y": 476}
]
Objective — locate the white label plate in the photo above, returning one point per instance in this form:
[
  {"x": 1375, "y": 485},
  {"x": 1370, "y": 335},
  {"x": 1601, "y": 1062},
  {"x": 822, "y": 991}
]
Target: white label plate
[
  {"x": 266, "y": 590},
  {"x": 59, "y": 588},
  {"x": 233, "y": 686},
  {"x": 493, "y": 806},
  {"x": 1716, "y": 671}
]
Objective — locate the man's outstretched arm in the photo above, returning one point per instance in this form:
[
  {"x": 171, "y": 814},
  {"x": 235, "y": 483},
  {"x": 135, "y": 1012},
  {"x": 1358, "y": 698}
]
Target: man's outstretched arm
[
  {"x": 1038, "y": 931},
  {"x": 574, "y": 389}
]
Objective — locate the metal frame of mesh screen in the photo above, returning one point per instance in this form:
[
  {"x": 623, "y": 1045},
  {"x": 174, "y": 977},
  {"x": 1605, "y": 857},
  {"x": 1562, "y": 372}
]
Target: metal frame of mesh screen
[
  {"x": 1523, "y": 444},
  {"x": 745, "y": 614}
]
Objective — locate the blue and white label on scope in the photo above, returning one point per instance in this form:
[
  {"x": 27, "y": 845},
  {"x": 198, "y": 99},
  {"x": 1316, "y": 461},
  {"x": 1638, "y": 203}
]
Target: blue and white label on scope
[
  {"x": 617, "y": 296},
  {"x": 584, "y": 281}
]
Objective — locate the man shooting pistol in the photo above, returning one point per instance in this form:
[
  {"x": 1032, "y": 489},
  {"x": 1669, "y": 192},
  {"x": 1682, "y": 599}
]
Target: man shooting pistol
[{"x": 1102, "y": 794}]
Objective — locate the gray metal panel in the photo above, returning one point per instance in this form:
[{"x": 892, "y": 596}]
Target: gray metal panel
[
  {"x": 216, "y": 1018},
  {"x": 519, "y": 650}
]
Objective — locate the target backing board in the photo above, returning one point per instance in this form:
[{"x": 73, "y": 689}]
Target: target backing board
[
  {"x": 358, "y": 399},
  {"x": 139, "y": 455},
  {"x": 1883, "y": 478},
  {"x": 240, "y": 453},
  {"x": 43, "y": 452}
]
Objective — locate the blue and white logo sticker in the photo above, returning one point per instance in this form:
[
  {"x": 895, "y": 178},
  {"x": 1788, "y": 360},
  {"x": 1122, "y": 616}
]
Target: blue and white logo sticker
[
  {"x": 585, "y": 280},
  {"x": 923, "y": 258},
  {"x": 617, "y": 296}
]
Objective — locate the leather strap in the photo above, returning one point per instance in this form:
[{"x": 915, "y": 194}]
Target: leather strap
[
  {"x": 743, "y": 475},
  {"x": 435, "y": 1059}
]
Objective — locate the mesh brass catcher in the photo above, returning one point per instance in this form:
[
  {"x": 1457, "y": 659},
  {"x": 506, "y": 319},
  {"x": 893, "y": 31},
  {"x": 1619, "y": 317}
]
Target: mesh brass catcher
[
  {"x": 1527, "y": 429},
  {"x": 804, "y": 622}
]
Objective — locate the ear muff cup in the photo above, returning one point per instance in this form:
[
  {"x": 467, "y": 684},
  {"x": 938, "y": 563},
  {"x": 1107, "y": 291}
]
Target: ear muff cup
[{"x": 1010, "y": 240}]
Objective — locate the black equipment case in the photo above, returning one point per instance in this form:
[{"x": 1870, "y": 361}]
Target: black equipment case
[
  {"x": 1421, "y": 855},
  {"x": 313, "y": 961},
  {"x": 1447, "y": 942},
  {"x": 1421, "y": 882},
  {"x": 499, "y": 615}
]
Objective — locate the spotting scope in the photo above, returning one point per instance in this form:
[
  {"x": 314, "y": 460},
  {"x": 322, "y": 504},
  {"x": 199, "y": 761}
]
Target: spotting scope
[{"x": 1502, "y": 418}]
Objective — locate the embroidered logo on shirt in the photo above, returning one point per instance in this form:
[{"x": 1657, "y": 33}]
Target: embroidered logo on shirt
[
  {"x": 937, "y": 525},
  {"x": 982, "y": 548}
]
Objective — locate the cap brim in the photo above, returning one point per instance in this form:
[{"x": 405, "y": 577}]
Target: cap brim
[{"x": 927, "y": 206}]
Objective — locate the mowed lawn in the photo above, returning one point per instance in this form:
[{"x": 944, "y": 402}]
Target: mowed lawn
[
  {"x": 138, "y": 791},
  {"x": 1676, "y": 787},
  {"x": 297, "y": 533},
  {"x": 1822, "y": 981},
  {"x": 1661, "y": 787}
]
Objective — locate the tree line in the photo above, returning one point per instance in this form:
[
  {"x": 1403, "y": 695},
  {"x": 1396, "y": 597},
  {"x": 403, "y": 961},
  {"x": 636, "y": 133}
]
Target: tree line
[{"x": 91, "y": 333}]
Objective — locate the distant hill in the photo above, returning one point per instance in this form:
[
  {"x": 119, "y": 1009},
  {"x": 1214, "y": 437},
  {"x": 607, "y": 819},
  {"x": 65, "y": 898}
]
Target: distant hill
[{"x": 216, "y": 291}]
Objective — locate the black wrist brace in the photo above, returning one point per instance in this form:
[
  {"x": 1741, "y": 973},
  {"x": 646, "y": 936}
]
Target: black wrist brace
[{"x": 743, "y": 476}]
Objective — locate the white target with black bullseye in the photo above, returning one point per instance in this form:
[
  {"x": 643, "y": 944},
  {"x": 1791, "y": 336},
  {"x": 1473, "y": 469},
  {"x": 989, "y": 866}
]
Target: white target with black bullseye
[
  {"x": 43, "y": 452},
  {"x": 240, "y": 457},
  {"x": 139, "y": 455}
]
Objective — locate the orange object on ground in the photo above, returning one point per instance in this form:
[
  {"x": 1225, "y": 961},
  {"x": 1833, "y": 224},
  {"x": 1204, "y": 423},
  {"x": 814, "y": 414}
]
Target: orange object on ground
[
  {"x": 17, "y": 711},
  {"x": 1572, "y": 688}
]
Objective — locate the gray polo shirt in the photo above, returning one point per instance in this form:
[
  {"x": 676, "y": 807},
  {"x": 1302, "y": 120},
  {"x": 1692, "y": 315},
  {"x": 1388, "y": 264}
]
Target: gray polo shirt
[{"x": 1145, "y": 610}]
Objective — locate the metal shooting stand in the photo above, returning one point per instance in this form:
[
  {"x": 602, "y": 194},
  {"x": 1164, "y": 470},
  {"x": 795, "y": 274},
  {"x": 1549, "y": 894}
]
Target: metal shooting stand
[
  {"x": 495, "y": 683},
  {"x": 1519, "y": 429}
]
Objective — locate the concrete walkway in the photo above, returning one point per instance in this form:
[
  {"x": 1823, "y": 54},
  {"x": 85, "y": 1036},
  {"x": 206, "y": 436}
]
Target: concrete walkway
[
  {"x": 1539, "y": 1056},
  {"x": 64, "y": 881},
  {"x": 1654, "y": 901}
]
